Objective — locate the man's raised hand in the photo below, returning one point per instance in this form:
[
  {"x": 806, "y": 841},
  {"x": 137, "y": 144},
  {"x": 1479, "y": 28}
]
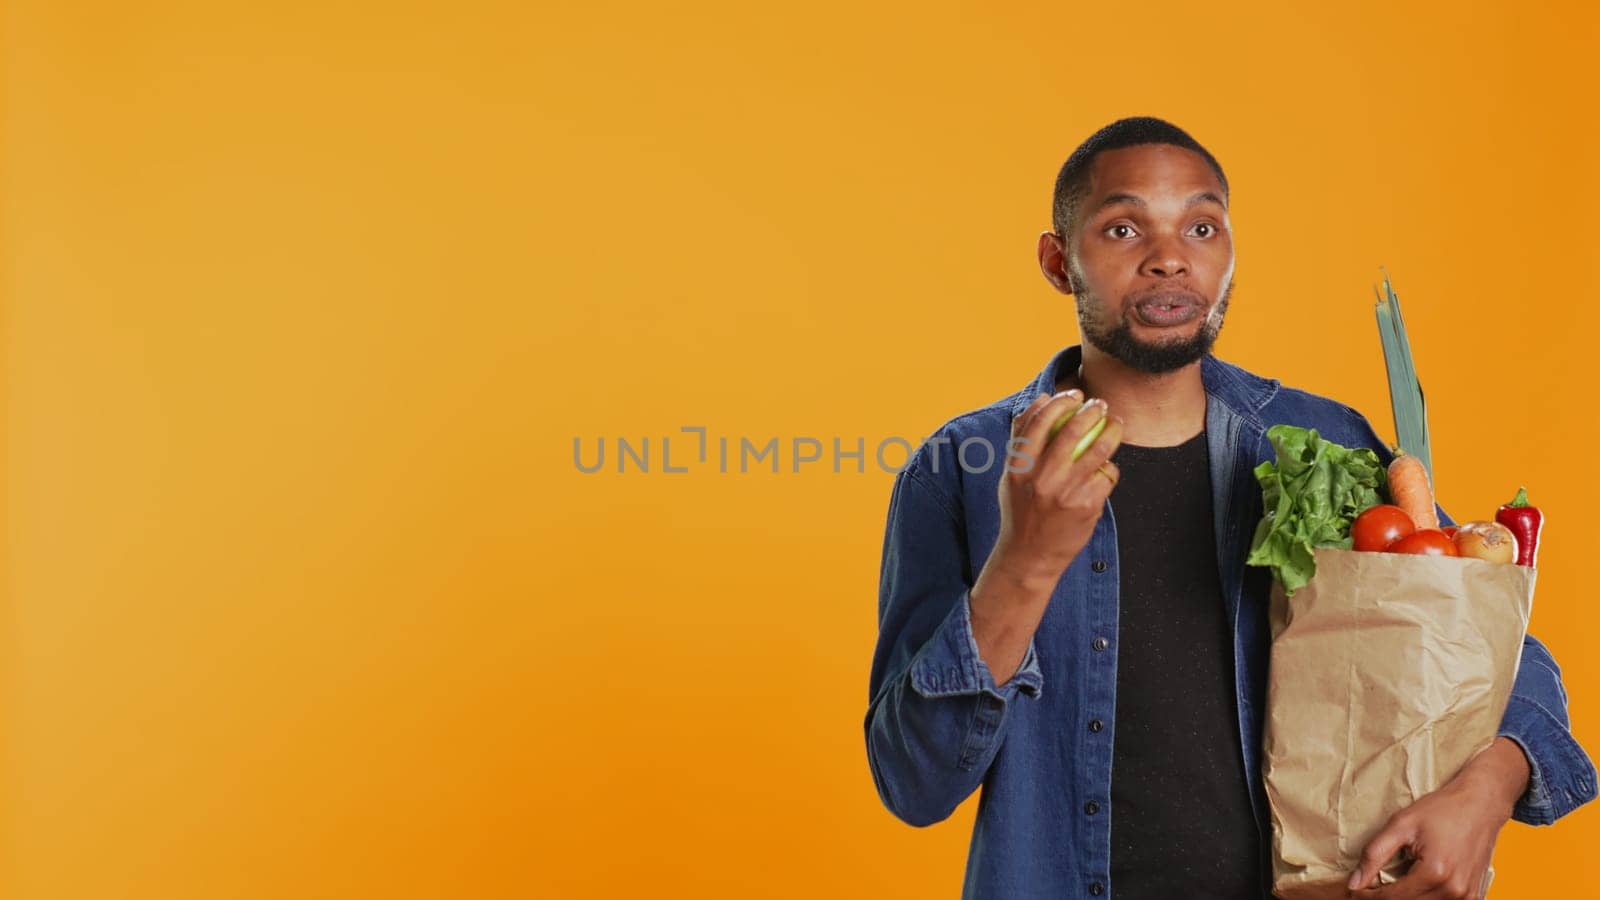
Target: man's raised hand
[{"x": 1049, "y": 502}]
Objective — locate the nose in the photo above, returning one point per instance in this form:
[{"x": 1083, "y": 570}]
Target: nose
[{"x": 1166, "y": 260}]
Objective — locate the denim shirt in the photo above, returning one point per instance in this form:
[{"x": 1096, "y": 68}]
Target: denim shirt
[{"x": 938, "y": 726}]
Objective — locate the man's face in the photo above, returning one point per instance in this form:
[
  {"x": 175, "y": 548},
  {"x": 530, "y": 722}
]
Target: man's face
[{"x": 1150, "y": 262}]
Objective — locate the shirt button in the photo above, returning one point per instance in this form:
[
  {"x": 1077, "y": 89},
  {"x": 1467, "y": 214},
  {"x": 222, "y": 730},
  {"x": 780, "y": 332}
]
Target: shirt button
[
  {"x": 1100, "y": 643},
  {"x": 1099, "y": 565},
  {"x": 1096, "y": 725},
  {"x": 1096, "y": 888},
  {"x": 1091, "y": 807}
]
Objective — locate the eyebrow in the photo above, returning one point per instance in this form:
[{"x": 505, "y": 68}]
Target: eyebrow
[{"x": 1196, "y": 200}]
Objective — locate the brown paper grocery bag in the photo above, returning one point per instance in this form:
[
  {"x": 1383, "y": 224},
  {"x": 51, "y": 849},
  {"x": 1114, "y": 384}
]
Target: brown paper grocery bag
[{"x": 1389, "y": 672}]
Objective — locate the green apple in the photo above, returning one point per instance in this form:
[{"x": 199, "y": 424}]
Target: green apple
[{"x": 1088, "y": 437}]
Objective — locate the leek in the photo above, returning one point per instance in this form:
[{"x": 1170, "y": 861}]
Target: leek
[{"x": 1405, "y": 391}]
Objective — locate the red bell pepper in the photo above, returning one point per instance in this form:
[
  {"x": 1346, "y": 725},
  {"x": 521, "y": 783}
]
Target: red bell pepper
[{"x": 1524, "y": 522}]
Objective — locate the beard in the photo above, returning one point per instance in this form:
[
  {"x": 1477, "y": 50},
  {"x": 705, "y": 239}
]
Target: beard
[{"x": 1118, "y": 341}]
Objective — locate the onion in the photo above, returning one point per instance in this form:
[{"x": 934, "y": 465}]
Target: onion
[{"x": 1488, "y": 541}]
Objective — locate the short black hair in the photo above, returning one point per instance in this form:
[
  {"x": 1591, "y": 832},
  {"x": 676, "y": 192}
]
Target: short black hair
[{"x": 1073, "y": 181}]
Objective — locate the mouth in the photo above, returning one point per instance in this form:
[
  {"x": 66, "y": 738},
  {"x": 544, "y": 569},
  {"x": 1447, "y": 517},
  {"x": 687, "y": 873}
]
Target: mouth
[{"x": 1166, "y": 310}]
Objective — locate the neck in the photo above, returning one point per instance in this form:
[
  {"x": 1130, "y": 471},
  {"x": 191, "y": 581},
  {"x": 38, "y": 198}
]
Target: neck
[{"x": 1157, "y": 410}]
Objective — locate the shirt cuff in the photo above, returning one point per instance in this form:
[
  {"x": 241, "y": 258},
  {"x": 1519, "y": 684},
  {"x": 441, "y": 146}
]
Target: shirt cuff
[
  {"x": 1560, "y": 776},
  {"x": 950, "y": 665}
]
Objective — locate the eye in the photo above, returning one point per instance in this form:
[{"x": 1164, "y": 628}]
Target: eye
[
  {"x": 1210, "y": 229},
  {"x": 1114, "y": 230}
]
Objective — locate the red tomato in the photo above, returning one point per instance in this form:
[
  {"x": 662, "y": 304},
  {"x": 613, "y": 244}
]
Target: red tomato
[
  {"x": 1379, "y": 527},
  {"x": 1427, "y": 542},
  {"x": 1449, "y": 531}
]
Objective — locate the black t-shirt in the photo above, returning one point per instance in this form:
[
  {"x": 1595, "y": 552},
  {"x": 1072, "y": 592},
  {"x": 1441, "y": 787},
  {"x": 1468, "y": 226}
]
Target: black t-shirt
[{"x": 1181, "y": 823}]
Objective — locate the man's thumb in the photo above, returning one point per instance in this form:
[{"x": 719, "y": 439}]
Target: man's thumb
[{"x": 1379, "y": 850}]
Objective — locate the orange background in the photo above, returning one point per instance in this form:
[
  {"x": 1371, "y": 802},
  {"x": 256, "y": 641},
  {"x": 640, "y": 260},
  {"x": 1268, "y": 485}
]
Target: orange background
[{"x": 303, "y": 309}]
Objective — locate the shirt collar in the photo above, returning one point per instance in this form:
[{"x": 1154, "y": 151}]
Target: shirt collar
[{"x": 1240, "y": 391}]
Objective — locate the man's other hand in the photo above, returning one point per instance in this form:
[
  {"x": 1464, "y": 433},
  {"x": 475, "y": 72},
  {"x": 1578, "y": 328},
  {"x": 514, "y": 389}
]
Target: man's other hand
[{"x": 1450, "y": 833}]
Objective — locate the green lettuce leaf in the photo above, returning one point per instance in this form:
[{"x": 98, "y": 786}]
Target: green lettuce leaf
[{"x": 1311, "y": 495}]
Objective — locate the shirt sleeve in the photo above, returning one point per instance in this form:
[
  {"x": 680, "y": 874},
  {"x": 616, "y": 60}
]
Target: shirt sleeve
[
  {"x": 935, "y": 716},
  {"x": 1561, "y": 775}
]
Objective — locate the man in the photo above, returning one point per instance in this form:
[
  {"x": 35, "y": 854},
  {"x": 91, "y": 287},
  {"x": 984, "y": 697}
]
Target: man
[{"x": 1082, "y": 637}]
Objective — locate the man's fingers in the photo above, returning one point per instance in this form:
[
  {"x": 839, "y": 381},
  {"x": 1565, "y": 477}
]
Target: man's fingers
[
  {"x": 1036, "y": 433},
  {"x": 1109, "y": 470},
  {"x": 1022, "y": 453},
  {"x": 1059, "y": 406},
  {"x": 1380, "y": 850},
  {"x": 1062, "y": 475},
  {"x": 1427, "y": 880},
  {"x": 1105, "y": 444},
  {"x": 1102, "y": 479},
  {"x": 1019, "y": 422},
  {"x": 1061, "y": 446},
  {"x": 1404, "y": 889}
]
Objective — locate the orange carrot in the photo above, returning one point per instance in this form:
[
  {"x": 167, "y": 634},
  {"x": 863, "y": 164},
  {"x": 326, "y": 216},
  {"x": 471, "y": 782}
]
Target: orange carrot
[{"x": 1408, "y": 487}]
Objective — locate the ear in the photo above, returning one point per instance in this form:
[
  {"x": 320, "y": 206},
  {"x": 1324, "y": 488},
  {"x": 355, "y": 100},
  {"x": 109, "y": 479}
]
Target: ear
[{"x": 1053, "y": 262}]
